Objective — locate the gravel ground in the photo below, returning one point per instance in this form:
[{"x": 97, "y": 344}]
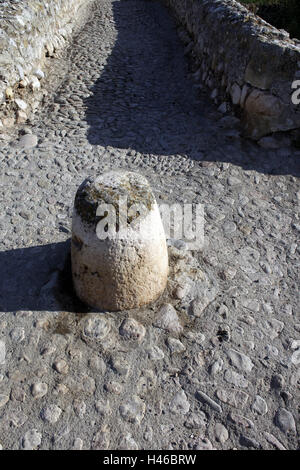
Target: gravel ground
[{"x": 214, "y": 363}]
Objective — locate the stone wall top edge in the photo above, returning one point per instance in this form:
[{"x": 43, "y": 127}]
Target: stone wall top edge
[{"x": 238, "y": 15}]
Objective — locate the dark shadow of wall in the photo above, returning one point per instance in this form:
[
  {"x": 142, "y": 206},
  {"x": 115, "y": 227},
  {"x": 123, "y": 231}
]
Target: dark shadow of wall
[
  {"x": 144, "y": 101},
  {"x": 29, "y": 277}
]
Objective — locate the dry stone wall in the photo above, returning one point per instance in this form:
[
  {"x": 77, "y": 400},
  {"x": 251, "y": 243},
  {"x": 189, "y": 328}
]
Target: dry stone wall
[
  {"x": 242, "y": 57},
  {"x": 31, "y": 31}
]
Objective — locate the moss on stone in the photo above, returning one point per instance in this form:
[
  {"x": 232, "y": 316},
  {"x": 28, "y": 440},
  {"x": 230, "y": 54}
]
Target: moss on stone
[{"x": 92, "y": 193}]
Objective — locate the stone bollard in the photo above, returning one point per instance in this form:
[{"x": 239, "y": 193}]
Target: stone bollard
[{"x": 119, "y": 252}]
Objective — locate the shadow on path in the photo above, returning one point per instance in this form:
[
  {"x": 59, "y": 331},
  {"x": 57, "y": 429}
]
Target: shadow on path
[
  {"x": 144, "y": 100},
  {"x": 38, "y": 279}
]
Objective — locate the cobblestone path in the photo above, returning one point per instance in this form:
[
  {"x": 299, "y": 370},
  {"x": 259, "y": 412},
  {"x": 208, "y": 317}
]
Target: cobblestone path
[{"x": 215, "y": 363}]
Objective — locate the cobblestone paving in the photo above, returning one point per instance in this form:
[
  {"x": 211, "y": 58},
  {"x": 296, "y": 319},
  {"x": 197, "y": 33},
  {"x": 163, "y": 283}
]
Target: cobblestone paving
[{"x": 218, "y": 370}]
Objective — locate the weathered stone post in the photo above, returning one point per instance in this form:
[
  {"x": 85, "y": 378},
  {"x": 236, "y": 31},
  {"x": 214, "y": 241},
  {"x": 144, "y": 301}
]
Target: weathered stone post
[{"x": 119, "y": 252}]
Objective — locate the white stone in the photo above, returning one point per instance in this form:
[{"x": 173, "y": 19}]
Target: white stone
[
  {"x": 21, "y": 104},
  {"x": 260, "y": 405},
  {"x": 216, "y": 366},
  {"x": 180, "y": 404},
  {"x": 77, "y": 444},
  {"x": 39, "y": 74},
  {"x": 168, "y": 319},
  {"x": 39, "y": 389},
  {"x": 221, "y": 433},
  {"x": 28, "y": 141},
  {"x": 21, "y": 117},
  {"x": 155, "y": 353},
  {"x": 240, "y": 360},
  {"x": 295, "y": 358},
  {"x": 31, "y": 440},
  {"x": 236, "y": 379},
  {"x": 2, "y": 351},
  {"x": 132, "y": 330},
  {"x": 51, "y": 414},
  {"x": 133, "y": 410},
  {"x": 96, "y": 327},
  {"x": 175, "y": 345},
  {"x": 285, "y": 421},
  {"x": 118, "y": 264},
  {"x": 35, "y": 83},
  {"x": 3, "y": 399}
]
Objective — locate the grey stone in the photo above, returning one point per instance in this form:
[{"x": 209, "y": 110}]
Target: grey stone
[
  {"x": 28, "y": 141},
  {"x": 133, "y": 410},
  {"x": 236, "y": 379},
  {"x": 31, "y": 440},
  {"x": 168, "y": 319},
  {"x": 240, "y": 360},
  {"x": 132, "y": 330},
  {"x": 285, "y": 421},
  {"x": 260, "y": 406},
  {"x": 207, "y": 400},
  {"x": 221, "y": 433},
  {"x": 51, "y": 413},
  {"x": 179, "y": 404}
]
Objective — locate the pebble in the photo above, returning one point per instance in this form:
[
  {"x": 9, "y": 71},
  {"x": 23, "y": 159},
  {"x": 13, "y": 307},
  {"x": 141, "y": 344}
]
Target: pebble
[
  {"x": 128, "y": 443},
  {"x": 203, "y": 444},
  {"x": 21, "y": 104},
  {"x": 240, "y": 420},
  {"x": 247, "y": 441},
  {"x": 168, "y": 320},
  {"x": 216, "y": 367},
  {"x": 274, "y": 441},
  {"x": 3, "y": 399},
  {"x": 260, "y": 406},
  {"x": 2, "y": 352},
  {"x": 133, "y": 410},
  {"x": 236, "y": 398},
  {"x": 96, "y": 328},
  {"x": 236, "y": 379},
  {"x": 18, "y": 418},
  {"x": 295, "y": 358},
  {"x": 61, "y": 366},
  {"x": 39, "y": 389},
  {"x": 31, "y": 440},
  {"x": 51, "y": 413},
  {"x": 221, "y": 433},
  {"x": 155, "y": 353},
  {"x": 132, "y": 330},
  {"x": 28, "y": 141},
  {"x": 79, "y": 407},
  {"x": 207, "y": 400},
  {"x": 103, "y": 407},
  {"x": 17, "y": 334},
  {"x": 196, "y": 420},
  {"x": 240, "y": 360},
  {"x": 179, "y": 404},
  {"x": 101, "y": 439},
  {"x": 77, "y": 444},
  {"x": 175, "y": 345},
  {"x": 285, "y": 421},
  {"x": 277, "y": 381}
]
